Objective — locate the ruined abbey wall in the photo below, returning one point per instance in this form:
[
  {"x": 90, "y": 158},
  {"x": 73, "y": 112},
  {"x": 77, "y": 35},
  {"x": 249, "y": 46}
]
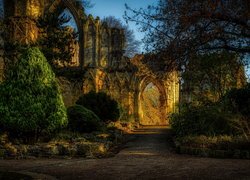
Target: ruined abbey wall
[
  {"x": 100, "y": 55},
  {"x": 126, "y": 84}
]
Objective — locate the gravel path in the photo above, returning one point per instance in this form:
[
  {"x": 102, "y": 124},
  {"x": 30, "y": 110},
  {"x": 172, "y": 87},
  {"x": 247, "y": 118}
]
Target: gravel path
[{"x": 148, "y": 155}]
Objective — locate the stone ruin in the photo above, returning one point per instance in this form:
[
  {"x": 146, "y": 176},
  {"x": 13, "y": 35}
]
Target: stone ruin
[{"x": 100, "y": 55}]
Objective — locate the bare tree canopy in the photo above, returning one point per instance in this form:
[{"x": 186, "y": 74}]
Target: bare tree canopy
[
  {"x": 87, "y": 4},
  {"x": 132, "y": 46},
  {"x": 183, "y": 27},
  {"x": 208, "y": 77}
]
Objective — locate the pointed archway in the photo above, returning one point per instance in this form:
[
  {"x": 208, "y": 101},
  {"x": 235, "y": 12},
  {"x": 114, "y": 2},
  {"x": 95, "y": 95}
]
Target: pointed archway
[
  {"x": 77, "y": 13},
  {"x": 151, "y": 102}
]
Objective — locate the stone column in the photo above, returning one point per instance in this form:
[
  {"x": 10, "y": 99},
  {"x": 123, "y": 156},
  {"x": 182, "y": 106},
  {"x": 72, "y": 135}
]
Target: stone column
[{"x": 21, "y": 18}]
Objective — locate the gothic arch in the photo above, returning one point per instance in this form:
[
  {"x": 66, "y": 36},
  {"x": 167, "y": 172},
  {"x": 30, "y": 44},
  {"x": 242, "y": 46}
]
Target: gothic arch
[
  {"x": 141, "y": 85},
  {"x": 76, "y": 10},
  {"x": 78, "y": 13}
]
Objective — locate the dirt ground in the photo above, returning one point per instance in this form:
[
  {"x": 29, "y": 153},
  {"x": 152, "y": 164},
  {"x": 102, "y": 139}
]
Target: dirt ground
[{"x": 148, "y": 155}]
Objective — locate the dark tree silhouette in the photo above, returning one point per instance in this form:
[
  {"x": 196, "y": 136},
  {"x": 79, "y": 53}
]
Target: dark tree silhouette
[
  {"x": 180, "y": 28},
  {"x": 56, "y": 39}
]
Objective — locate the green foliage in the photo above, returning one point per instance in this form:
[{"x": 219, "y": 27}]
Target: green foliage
[
  {"x": 101, "y": 104},
  {"x": 82, "y": 120},
  {"x": 204, "y": 120},
  {"x": 30, "y": 99},
  {"x": 210, "y": 76},
  {"x": 230, "y": 116}
]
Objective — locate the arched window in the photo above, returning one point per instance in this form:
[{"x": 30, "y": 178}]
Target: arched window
[
  {"x": 150, "y": 105},
  {"x": 71, "y": 28},
  {"x": 64, "y": 34}
]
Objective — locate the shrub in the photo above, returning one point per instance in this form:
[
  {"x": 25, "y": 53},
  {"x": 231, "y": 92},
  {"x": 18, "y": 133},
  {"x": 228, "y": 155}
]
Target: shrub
[
  {"x": 101, "y": 104},
  {"x": 204, "y": 120},
  {"x": 30, "y": 99},
  {"x": 82, "y": 119},
  {"x": 238, "y": 101}
]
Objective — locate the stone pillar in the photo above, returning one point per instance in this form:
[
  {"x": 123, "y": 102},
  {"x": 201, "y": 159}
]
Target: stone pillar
[
  {"x": 90, "y": 43},
  {"x": 23, "y": 30},
  {"x": 117, "y": 45},
  {"x": 21, "y": 16},
  {"x": 97, "y": 42}
]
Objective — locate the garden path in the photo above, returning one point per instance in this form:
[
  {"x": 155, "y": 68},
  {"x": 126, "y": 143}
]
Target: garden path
[{"x": 147, "y": 155}]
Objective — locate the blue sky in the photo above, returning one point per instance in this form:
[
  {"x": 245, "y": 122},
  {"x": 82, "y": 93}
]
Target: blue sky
[{"x": 116, "y": 8}]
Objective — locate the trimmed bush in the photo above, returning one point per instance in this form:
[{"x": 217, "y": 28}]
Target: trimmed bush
[
  {"x": 30, "y": 99},
  {"x": 101, "y": 104},
  {"x": 82, "y": 119}
]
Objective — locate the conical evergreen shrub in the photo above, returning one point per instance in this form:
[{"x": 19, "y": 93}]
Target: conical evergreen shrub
[{"x": 30, "y": 101}]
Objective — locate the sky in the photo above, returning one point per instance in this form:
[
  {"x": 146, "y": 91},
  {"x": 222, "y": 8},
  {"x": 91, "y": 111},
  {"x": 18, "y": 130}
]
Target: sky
[{"x": 104, "y": 8}]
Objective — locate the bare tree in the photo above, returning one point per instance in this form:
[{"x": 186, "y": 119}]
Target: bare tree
[
  {"x": 132, "y": 46},
  {"x": 182, "y": 28}
]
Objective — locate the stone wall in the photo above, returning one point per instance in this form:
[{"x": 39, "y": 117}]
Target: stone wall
[
  {"x": 102, "y": 46},
  {"x": 71, "y": 90},
  {"x": 126, "y": 83}
]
